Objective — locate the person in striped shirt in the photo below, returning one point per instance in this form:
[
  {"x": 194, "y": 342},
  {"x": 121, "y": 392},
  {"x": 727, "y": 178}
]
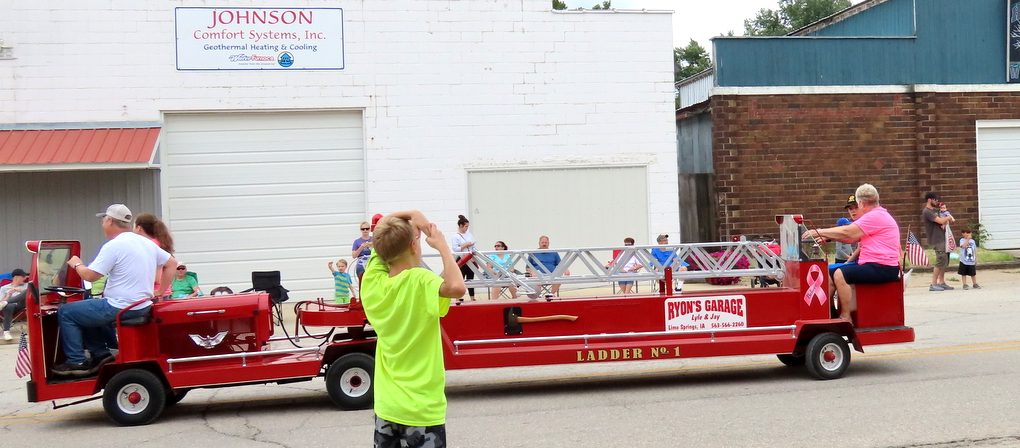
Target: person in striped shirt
[{"x": 341, "y": 281}]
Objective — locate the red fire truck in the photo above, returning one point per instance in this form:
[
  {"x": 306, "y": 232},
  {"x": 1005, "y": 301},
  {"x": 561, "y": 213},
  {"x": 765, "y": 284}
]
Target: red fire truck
[{"x": 229, "y": 340}]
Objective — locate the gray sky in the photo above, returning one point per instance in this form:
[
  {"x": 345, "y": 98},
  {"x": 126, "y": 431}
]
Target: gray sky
[{"x": 697, "y": 19}]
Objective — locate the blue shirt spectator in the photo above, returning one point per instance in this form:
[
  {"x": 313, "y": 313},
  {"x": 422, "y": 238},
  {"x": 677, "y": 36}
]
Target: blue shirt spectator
[
  {"x": 547, "y": 260},
  {"x": 540, "y": 263},
  {"x": 666, "y": 256}
]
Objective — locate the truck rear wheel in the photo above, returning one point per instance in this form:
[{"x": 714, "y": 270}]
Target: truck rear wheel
[
  {"x": 349, "y": 381},
  {"x": 134, "y": 397},
  {"x": 828, "y": 356}
]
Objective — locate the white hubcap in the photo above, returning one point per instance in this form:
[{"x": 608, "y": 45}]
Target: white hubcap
[
  {"x": 831, "y": 357},
  {"x": 355, "y": 382},
  {"x": 132, "y": 398}
]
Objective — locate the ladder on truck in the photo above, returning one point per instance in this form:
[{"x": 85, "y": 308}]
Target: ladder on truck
[{"x": 589, "y": 265}]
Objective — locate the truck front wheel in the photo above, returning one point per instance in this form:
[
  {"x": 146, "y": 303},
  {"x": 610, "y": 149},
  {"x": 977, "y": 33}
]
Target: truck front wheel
[{"x": 134, "y": 397}]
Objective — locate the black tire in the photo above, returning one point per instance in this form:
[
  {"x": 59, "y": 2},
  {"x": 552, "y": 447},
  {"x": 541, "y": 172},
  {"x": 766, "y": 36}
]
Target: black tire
[
  {"x": 828, "y": 356},
  {"x": 175, "y": 396},
  {"x": 791, "y": 360},
  {"x": 349, "y": 381},
  {"x": 134, "y": 397}
]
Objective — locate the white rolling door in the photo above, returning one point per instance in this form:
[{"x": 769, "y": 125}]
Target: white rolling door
[
  {"x": 264, "y": 191},
  {"x": 998, "y": 160},
  {"x": 576, "y": 207}
]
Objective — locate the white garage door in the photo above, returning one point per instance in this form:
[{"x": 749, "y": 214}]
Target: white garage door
[
  {"x": 998, "y": 160},
  {"x": 576, "y": 207},
  {"x": 264, "y": 192}
]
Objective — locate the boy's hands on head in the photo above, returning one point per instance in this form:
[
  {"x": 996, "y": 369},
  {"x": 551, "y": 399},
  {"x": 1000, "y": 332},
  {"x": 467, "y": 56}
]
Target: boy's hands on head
[
  {"x": 415, "y": 217},
  {"x": 419, "y": 221}
]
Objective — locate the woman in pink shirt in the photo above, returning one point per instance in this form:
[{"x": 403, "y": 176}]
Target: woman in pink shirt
[{"x": 879, "y": 259}]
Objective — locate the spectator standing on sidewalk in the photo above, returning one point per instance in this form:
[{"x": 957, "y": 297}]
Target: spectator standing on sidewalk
[
  {"x": 968, "y": 260},
  {"x": 463, "y": 241},
  {"x": 935, "y": 225}
]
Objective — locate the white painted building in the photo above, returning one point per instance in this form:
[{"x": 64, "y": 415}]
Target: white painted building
[{"x": 526, "y": 120}]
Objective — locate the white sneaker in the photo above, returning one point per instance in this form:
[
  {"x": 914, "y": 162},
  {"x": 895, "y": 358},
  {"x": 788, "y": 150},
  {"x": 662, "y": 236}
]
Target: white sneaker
[{"x": 7, "y": 336}]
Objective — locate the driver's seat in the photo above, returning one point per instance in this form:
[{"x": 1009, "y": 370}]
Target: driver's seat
[
  {"x": 138, "y": 320},
  {"x": 136, "y": 338}
]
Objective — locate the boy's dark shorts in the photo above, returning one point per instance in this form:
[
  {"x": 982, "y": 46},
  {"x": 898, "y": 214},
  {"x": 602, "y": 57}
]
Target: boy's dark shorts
[
  {"x": 967, "y": 269},
  {"x": 941, "y": 259},
  {"x": 395, "y": 435},
  {"x": 869, "y": 273}
]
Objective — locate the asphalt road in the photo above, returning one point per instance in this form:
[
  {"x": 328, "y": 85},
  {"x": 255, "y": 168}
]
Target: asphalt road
[{"x": 957, "y": 385}]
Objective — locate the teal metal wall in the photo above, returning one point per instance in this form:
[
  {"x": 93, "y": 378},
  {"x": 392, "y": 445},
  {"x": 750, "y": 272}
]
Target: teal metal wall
[
  {"x": 957, "y": 42},
  {"x": 892, "y": 18}
]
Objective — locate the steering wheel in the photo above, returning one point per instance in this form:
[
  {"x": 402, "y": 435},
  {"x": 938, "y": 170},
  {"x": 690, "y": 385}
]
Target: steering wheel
[{"x": 65, "y": 289}]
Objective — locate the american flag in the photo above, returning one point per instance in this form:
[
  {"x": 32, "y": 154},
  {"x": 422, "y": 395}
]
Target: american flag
[
  {"x": 23, "y": 366},
  {"x": 950, "y": 240},
  {"x": 915, "y": 253}
]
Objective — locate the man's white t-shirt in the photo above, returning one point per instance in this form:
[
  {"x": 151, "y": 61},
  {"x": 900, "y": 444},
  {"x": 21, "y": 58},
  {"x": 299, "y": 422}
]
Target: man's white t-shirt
[
  {"x": 129, "y": 261},
  {"x": 12, "y": 289}
]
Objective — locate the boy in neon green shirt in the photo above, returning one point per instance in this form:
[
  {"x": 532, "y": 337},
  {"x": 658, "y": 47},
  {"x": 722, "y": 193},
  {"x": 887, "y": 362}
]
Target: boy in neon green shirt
[{"x": 404, "y": 302}]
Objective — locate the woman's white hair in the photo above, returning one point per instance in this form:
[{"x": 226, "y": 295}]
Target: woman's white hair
[{"x": 867, "y": 194}]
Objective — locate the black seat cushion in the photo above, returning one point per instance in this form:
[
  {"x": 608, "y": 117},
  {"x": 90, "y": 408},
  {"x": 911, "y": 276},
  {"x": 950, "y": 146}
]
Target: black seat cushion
[{"x": 138, "y": 320}]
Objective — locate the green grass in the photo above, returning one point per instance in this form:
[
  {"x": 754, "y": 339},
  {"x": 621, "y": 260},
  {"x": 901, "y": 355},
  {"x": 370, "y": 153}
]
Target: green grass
[
  {"x": 983, "y": 256},
  {"x": 993, "y": 256}
]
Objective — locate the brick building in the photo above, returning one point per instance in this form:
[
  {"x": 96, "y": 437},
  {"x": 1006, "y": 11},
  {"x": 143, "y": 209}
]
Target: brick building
[
  {"x": 265, "y": 136},
  {"x": 910, "y": 95}
]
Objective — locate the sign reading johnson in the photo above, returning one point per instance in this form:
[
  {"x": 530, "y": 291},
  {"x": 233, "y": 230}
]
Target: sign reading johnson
[{"x": 259, "y": 38}]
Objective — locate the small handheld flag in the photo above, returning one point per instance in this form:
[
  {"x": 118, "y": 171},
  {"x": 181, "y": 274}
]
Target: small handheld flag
[
  {"x": 23, "y": 366},
  {"x": 915, "y": 253}
]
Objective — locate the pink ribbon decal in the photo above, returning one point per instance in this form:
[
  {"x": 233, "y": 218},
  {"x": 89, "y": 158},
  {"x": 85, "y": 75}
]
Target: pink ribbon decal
[{"x": 815, "y": 280}]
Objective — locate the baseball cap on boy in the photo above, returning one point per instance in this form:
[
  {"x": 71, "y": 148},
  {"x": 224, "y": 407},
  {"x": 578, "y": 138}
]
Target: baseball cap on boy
[
  {"x": 120, "y": 212},
  {"x": 850, "y": 202},
  {"x": 19, "y": 272}
]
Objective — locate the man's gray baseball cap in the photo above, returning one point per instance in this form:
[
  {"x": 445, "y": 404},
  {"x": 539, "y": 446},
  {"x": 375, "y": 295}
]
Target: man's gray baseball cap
[{"x": 120, "y": 212}]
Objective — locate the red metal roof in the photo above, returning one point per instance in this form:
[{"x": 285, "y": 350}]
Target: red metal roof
[{"x": 69, "y": 147}]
